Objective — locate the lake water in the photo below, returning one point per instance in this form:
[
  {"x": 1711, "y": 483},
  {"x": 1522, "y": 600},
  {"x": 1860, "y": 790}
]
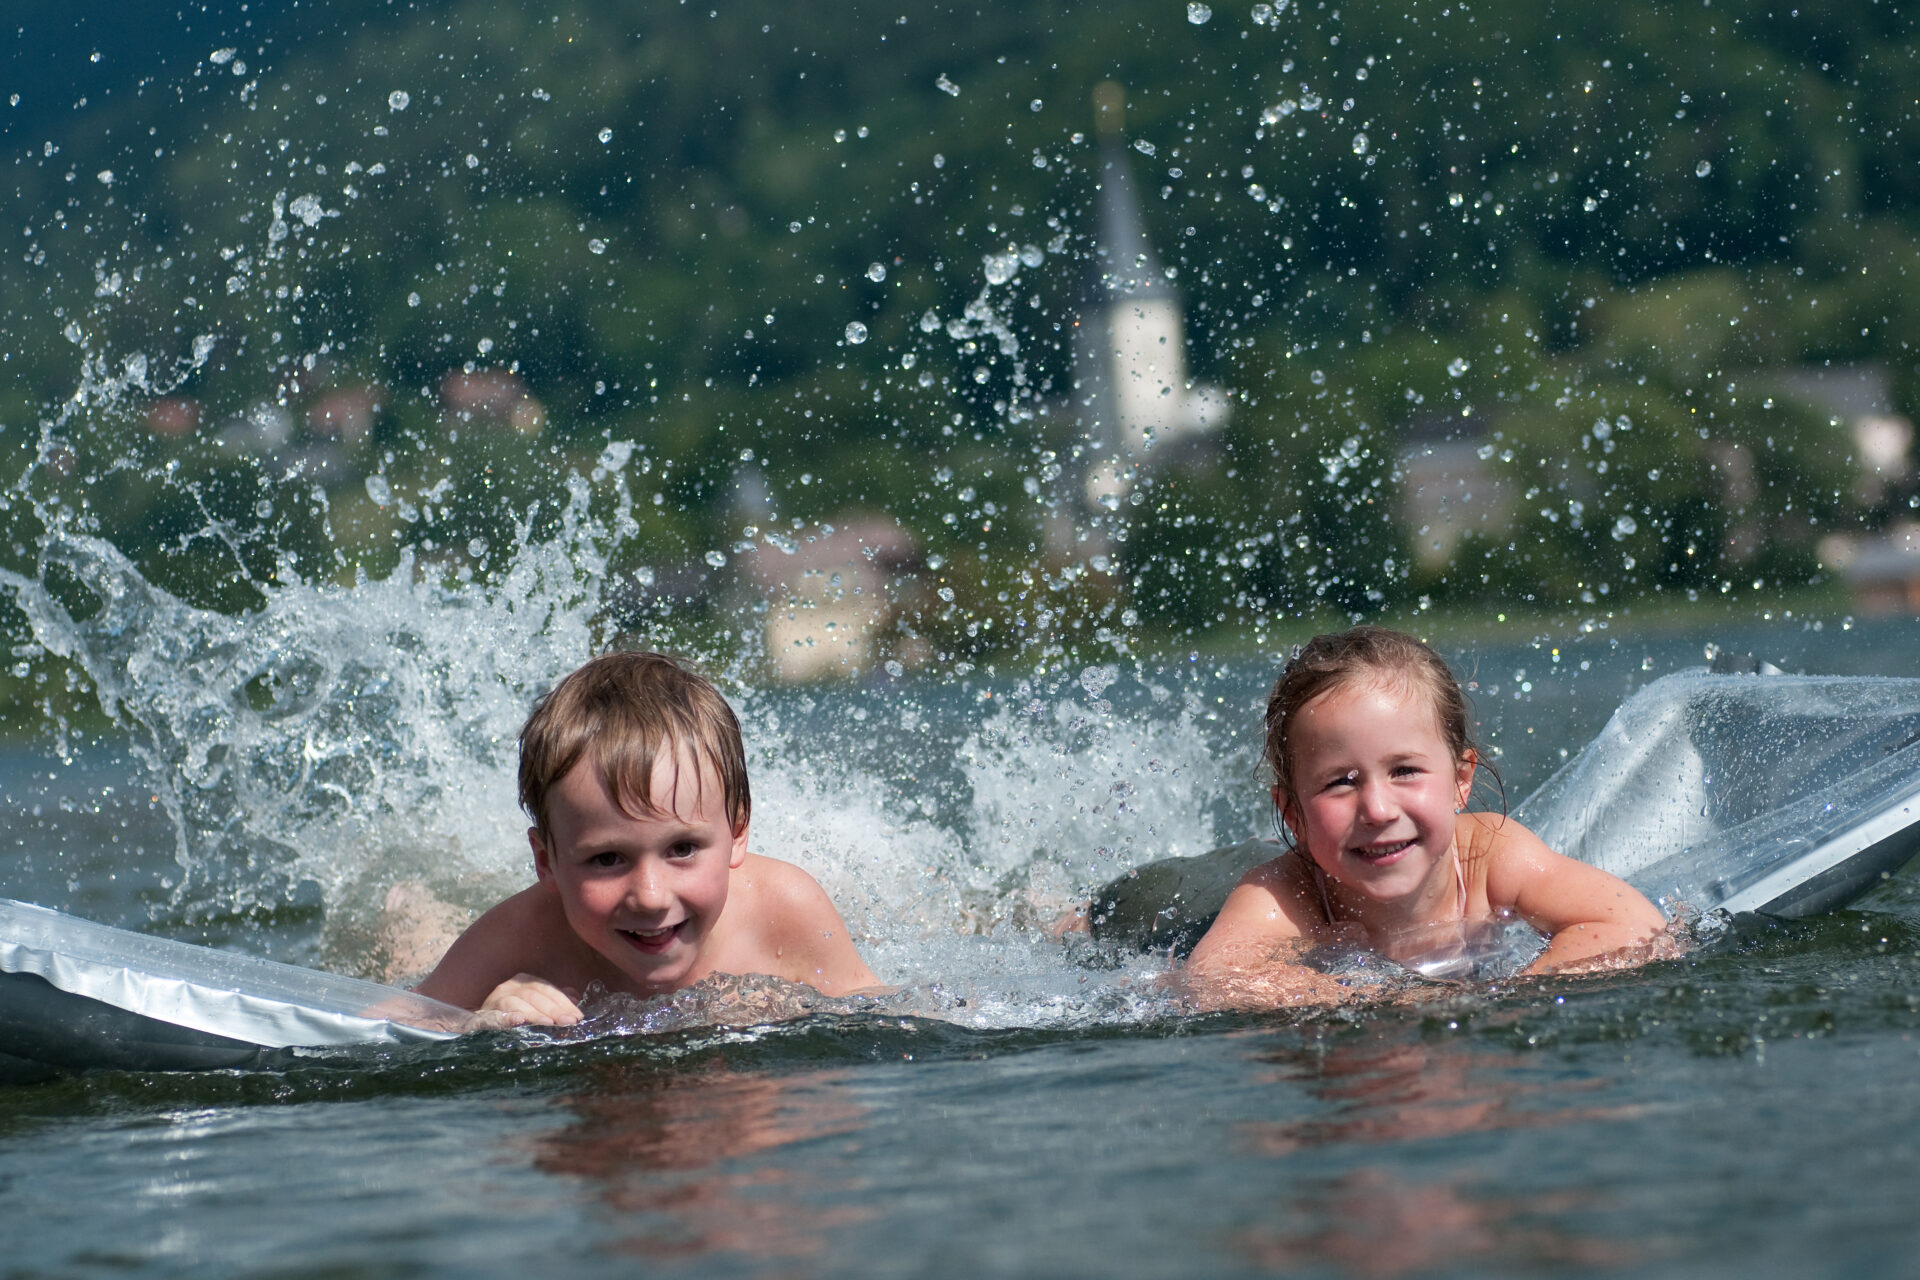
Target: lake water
[
  {"x": 422, "y": 351},
  {"x": 1747, "y": 1110}
]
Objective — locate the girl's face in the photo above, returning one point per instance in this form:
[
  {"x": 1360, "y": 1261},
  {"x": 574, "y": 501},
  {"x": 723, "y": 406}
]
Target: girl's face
[{"x": 1377, "y": 793}]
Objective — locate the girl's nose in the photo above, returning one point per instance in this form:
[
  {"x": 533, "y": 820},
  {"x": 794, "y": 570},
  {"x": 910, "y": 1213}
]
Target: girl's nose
[{"x": 1377, "y": 803}]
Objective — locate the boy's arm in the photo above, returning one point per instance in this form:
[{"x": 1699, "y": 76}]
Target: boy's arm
[
  {"x": 1584, "y": 911},
  {"x": 1246, "y": 959},
  {"x": 484, "y": 969},
  {"x": 801, "y": 935}
]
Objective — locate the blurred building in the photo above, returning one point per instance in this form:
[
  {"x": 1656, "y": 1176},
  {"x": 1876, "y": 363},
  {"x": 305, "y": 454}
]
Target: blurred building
[
  {"x": 832, "y": 595},
  {"x": 1881, "y": 569},
  {"x": 1449, "y": 488},
  {"x": 496, "y": 396}
]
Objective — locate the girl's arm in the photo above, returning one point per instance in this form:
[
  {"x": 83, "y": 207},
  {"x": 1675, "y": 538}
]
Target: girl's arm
[
  {"x": 1245, "y": 961},
  {"x": 1584, "y": 911}
]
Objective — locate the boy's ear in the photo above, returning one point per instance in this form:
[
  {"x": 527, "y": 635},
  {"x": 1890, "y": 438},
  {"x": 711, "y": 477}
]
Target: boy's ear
[
  {"x": 542, "y": 861},
  {"x": 738, "y": 853}
]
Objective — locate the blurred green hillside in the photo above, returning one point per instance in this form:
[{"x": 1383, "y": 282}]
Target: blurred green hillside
[{"x": 659, "y": 223}]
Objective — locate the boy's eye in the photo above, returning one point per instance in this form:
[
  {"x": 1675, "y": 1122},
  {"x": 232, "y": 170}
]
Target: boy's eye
[
  {"x": 604, "y": 859},
  {"x": 683, "y": 849}
]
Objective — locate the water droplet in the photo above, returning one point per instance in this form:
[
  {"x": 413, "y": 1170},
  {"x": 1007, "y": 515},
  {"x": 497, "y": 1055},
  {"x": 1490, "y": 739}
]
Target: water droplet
[
  {"x": 1144, "y": 147},
  {"x": 398, "y": 100},
  {"x": 1199, "y": 14},
  {"x": 1035, "y": 105},
  {"x": 413, "y": 299},
  {"x": 856, "y": 333},
  {"x": 308, "y": 209},
  {"x": 1591, "y": 204},
  {"x": 606, "y": 136},
  {"x": 908, "y": 360},
  {"x": 1359, "y": 144},
  {"x": 716, "y": 558},
  {"x": 877, "y": 272},
  {"x": 1624, "y": 528},
  {"x": 794, "y": 227},
  {"x": 1262, "y": 14},
  {"x": 947, "y": 86},
  {"x": 1001, "y": 267},
  {"x": 1702, "y": 169},
  {"x": 1457, "y": 366},
  {"x": 1455, "y": 199},
  {"x": 378, "y": 490},
  {"x": 597, "y": 245},
  {"x": 105, "y": 176}
]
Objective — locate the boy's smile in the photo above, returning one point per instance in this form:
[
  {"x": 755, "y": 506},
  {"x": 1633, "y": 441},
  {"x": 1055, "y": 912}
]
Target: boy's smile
[{"x": 645, "y": 888}]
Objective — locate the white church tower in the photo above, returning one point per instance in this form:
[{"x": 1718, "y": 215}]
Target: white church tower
[{"x": 1134, "y": 401}]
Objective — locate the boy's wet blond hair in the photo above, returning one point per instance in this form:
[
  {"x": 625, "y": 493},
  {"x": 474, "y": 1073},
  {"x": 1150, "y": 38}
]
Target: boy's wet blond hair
[{"x": 623, "y": 710}]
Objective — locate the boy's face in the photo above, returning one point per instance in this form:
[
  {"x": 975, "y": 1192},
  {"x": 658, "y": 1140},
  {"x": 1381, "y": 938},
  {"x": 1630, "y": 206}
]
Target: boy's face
[{"x": 644, "y": 892}]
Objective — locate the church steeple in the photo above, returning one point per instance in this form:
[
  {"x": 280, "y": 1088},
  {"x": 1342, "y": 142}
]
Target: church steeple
[
  {"x": 1130, "y": 356},
  {"x": 1125, "y": 263}
]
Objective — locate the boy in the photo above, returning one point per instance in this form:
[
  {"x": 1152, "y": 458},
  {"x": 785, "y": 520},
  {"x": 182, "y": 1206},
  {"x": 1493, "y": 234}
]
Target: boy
[{"x": 633, "y": 772}]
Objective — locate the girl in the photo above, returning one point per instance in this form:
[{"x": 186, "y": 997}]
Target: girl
[{"x": 1372, "y": 765}]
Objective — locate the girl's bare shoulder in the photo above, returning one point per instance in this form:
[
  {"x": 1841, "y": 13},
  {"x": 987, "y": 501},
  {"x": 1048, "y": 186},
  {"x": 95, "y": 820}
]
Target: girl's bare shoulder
[{"x": 1279, "y": 896}]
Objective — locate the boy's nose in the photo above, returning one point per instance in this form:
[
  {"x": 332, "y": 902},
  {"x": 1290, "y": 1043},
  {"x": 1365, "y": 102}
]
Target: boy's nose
[{"x": 647, "y": 890}]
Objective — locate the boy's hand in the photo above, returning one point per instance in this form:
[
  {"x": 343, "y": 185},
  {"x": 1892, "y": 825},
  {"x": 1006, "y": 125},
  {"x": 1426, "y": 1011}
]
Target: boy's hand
[{"x": 524, "y": 1000}]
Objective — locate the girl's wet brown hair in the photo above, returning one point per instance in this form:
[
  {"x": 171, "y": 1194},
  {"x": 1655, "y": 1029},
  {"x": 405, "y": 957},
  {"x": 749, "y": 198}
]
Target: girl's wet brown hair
[
  {"x": 624, "y": 710},
  {"x": 1365, "y": 653}
]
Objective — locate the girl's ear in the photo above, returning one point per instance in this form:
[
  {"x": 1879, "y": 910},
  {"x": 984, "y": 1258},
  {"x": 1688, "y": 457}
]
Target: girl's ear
[
  {"x": 1289, "y": 816},
  {"x": 1463, "y": 777}
]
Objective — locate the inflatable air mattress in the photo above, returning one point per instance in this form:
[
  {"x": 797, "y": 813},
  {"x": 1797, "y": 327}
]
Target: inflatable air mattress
[{"x": 76, "y": 994}]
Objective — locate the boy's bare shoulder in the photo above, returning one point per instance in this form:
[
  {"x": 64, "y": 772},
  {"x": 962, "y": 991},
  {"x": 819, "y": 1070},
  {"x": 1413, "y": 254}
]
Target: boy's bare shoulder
[
  {"x": 785, "y": 924},
  {"x": 777, "y": 897},
  {"x": 527, "y": 933}
]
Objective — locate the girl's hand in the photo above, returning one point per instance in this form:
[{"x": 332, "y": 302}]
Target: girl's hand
[{"x": 524, "y": 1000}]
